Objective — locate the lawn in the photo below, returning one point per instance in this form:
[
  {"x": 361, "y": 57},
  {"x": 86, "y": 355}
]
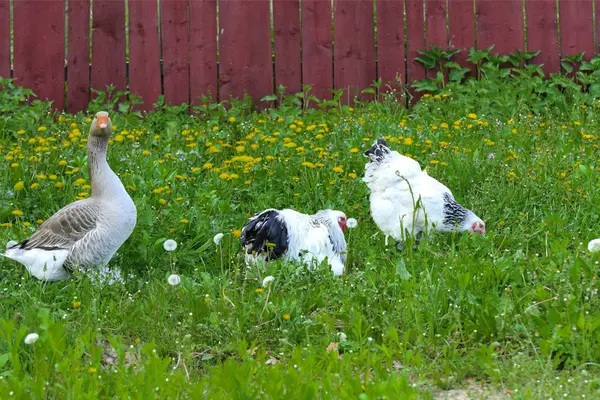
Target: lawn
[{"x": 516, "y": 311}]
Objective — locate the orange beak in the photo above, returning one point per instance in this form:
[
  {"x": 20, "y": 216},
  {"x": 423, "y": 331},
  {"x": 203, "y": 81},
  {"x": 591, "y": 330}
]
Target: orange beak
[{"x": 102, "y": 122}]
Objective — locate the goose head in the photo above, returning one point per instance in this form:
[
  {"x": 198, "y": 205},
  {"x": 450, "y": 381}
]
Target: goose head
[{"x": 101, "y": 125}]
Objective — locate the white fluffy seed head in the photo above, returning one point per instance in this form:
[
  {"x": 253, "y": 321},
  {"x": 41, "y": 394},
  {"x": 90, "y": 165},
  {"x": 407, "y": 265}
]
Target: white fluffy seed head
[
  {"x": 170, "y": 245},
  {"x": 267, "y": 281},
  {"x": 31, "y": 338},
  {"x": 174, "y": 279},
  {"x": 594, "y": 245},
  {"x": 352, "y": 223},
  {"x": 218, "y": 237}
]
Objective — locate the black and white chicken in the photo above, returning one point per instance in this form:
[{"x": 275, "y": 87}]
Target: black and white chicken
[
  {"x": 396, "y": 211},
  {"x": 272, "y": 234}
]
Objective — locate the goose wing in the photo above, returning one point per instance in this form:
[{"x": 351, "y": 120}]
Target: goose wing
[{"x": 65, "y": 228}]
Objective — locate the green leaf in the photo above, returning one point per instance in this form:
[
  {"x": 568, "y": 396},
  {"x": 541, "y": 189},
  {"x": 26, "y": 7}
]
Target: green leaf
[
  {"x": 270, "y": 97},
  {"x": 3, "y": 360},
  {"x": 401, "y": 270}
]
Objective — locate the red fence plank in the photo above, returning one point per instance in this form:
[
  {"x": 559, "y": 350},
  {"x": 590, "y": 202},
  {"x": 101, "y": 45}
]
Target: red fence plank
[
  {"x": 390, "y": 43},
  {"x": 175, "y": 51},
  {"x": 286, "y": 19},
  {"x": 245, "y": 49},
  {"x": 576, "y": 28},
  {"x": 39, "y": 45},
  {"x": 203, "y": 49},
  {"x": 354, "y": 48},
  {"x": 542, "y": 33},
  {"x": 435, "y": 25},
  {"x": 500, "y": 23},
  {"x": 317, "y": 59},
  {"x": 461, "y": 27},
  {"x": 108, "y": 44},
  {"x": 597, "y": 7},
  {"x": 415, "y": 40},
  {"x": 5, "y": 38},
  {"x": 78, "y": 56},
  {"x": 144, "y": 51}
]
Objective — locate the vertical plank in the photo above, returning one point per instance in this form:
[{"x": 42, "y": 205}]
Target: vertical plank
[
  {"x": 317, "y": 60},
  {"x": 203, "y": 49},
  {"x": 286, "y": 21},
  {"x": 354, "y": 48},
  {"x": 415, "y": 41},
  {"x": 576, "y": 27},
  {"x": 245, "y": 49},
  {"x": 500, "y": 23},
  {"x": 108, "y": 44},
  {"x": 175, "y": 50},
  {"x": 39, "y": 61},
  {"x": 144, "y": 51},
  {"x": 78, "y": 56},
  {"x": 542, "y": 34},
  {"x": 597, "y": 7},
  {"x": 461, "y": 26},
  {"x": 390, "y": 43},
  {"x": 435, "y": 24},
  {"x": 5, "y": 38}
]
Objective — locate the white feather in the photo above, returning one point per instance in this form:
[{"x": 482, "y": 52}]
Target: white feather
[{"x": 43, "y": 264}]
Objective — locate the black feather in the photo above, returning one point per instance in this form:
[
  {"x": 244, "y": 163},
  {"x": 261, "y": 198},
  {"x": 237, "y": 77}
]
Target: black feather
[
  {"x": 264, "y": 228},
  {"x": 378, "y": 151},
  {"x": 454, "y": 212}
]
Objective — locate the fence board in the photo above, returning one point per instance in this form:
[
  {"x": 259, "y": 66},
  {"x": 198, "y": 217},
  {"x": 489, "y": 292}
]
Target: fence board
[
  {"x": 286, "y": 21},
  {"x": 500, "y": 23},
  {"x": 203, "y": 50},
  {"x": 108, "y": 44},
  {"x": 39, "y": 45},
  {"x": 354, "y": 48},
  {"x": 415, "y": 40},
  {"x": 245, "y": 49},
  {"x": 78, "y": 56},
  {"x": 317, "y": 60},
  {"x": 144, "y": 52},
  {"x": 542, "y": 34},
  {"x": 175, "y": 50},
  {"x": 435, "y": 24},
  {"x": 597, "y": 8},
  {"x": 576, "y": 28},
  {"x": 461, "y": 27},
  {"x": 390, "y": 43},
  {"x": 5, "y": 38}
]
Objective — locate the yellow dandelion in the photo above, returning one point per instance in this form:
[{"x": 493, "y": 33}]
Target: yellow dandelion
[
  {"x": 286, "y": 317},
  {"x": 41, "y": 129},
  {"x": 339, "y": 169},
  {"x": 59, "y": 185},
  {"x": 18, "y": 213},
  {"x": 259, "y": 290},
  {"x": 236, "y": 233},
  {"x": 472, "y": 116},
  {"x": 62, "y": 163},
  {"x": 352, "y": 175},
  {"x": 354, "y": 150},
  {"x": 184, "y": 221},
  {"x": 19, "y": 186},
  {"x": 231, "y": 119},
  {"x": 35, "y": 185},
  {"x": 76, "y": 304}
]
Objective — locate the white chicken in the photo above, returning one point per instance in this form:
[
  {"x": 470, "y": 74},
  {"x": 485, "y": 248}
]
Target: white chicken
[
  {"x": 272, "y": 234},
  {"x": 406, "y": 200}
]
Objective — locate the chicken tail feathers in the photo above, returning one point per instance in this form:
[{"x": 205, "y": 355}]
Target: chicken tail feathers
[
  {"x": 378, "y": 151},
  {"x": 266, "y": 233}
]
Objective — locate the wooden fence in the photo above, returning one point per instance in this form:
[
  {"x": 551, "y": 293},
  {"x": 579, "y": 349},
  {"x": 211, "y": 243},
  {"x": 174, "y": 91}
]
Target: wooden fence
[{"x": 187, "y": 48}]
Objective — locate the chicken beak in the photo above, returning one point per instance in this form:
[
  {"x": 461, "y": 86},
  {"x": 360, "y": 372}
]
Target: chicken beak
[{"x": 102, "y": 122}]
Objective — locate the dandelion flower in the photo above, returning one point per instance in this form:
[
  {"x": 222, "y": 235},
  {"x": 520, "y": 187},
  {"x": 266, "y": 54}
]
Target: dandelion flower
[
  {"x": 174, "y": 280},
  {"x": 31, "y": 338},
  {"x": 218, "y": 237},
  {"x": 236, "y": 233},
  {"x": 170, "y": 245},
  {"x": 594, "y": 245},
  {"x": 76, "y": 304},
  {"x": 286, "y": 317},
  {"x": 19, "y": 186},
  {"x": 352, "y": 223},
  {"x": 267, "y": 281},
  {"x": 18, "y": 213}
]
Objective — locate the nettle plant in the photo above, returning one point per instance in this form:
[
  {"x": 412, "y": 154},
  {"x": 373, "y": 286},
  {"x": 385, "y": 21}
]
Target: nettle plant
[{"x": 510, "y": 81}]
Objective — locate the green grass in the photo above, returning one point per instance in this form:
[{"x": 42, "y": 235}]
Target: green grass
[{"x": 516, "y": 310}]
